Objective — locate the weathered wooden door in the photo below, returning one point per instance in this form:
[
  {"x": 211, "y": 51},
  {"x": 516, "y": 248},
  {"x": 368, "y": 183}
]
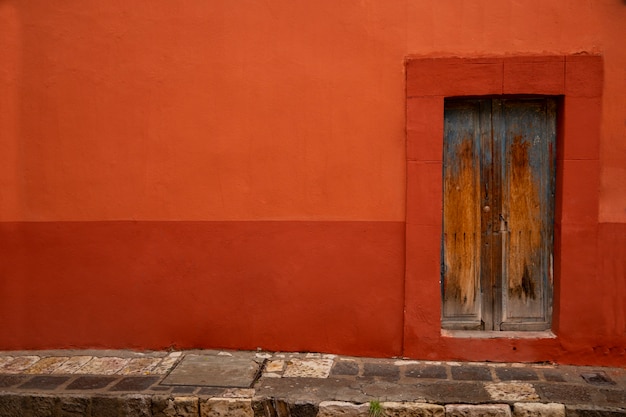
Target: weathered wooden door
[{"x": 498, "y": 202}]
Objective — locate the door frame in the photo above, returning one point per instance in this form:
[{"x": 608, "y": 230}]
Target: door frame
[{"x": 578, "y": 79}]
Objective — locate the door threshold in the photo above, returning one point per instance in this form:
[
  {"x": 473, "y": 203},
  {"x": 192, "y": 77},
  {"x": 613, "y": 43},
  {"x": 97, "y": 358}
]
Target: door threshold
[{"x": 479, "y": 334}]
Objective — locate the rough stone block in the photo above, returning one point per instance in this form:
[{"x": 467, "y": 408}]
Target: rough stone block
[
  {"x": 134, "y": 383},
  {"x": 136, "y": 406},
  {"x": 463, "y": 410},
  {"x": 538, "y": 410},
  {"x": 345, "y": 368},
  {"x": 471, "y": 373},
  {"x": 396, "y": 409},
  {"x": 28, "y": 405},
  {"x": 175, "y": 406},
  {"x": 186, "y": 406},
  {"x": 5, "y": 360},
  {"x": 44, "y": 382},
  {"x": 40, "y": 406},
  {"x": 563, "y": 393},
  {"x": 516, "y": 374},
  {"x": 159, "y": 405},
  {"x": 309, "y": 368},
  {"x": 258, "y": 407},
  {"x": 226, "y": 407},
  {"x": 72, "y": 365},
  {"x": 167, "y": 363},
  {"x": 280, "y": 408},
  {"x": 106, "y": 406},
  {"x": 448, "y": 392},
  {"x": 238, "y": 393},
  {"x": 511, "y": 391},
  {"x": 275, "y": 366},
  {"x": 211, "y": 392},
  {"x": 46, "y": 365},
  {"x": 19, "y": 364},
  {"x": 90, "y": 382},
  {"x": 382, "y": 370},
  {"x": 617, "y": 397},
  {"x": 303, "y": 410},
  {"x": 74, "y": 406},
  {"x": 104, "y": 366},
  {"x": 139, "y": 366},
  {"x": 11, "y": 405},
  {"x": 426, "y": 371},
  {"x": 553, "y": 376},
  {"x": 594, "y": 411},
  {"x": 11, "y": 380},
  {"x": 342, "y": 409},
  {"x": 184, "y": 389}
]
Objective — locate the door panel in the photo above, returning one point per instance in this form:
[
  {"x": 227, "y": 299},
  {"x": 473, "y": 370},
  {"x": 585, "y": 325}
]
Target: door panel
[
  {"x": 498, "y": 213},
  {"x": 461, "y": 201},
  {"x": 529, "y": 128}
]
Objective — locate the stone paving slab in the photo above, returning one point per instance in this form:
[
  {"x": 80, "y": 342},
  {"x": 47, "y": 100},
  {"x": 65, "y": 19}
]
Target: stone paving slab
[
  {"x": 214, "y": 371},
  {"x": 266, "y": 384}
]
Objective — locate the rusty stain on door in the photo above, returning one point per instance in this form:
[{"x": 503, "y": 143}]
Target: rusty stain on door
[
  {"x": 460, "y": 239},
  {"x": 498, "y": 213},
  {"x": 523, "y": 225}
]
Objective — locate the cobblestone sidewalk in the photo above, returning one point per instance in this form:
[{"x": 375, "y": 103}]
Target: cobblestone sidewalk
[{"x": 263, "y": 384}]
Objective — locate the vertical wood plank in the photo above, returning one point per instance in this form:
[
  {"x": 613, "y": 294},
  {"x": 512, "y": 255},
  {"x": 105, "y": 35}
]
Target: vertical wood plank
[
  {"x": 461, "y": 223},
  {"x": 529, "y": 136}
]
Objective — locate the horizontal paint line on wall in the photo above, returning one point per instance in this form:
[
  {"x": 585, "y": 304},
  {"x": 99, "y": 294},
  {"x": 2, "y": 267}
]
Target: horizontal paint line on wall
[{"x": 194, "y": 220}]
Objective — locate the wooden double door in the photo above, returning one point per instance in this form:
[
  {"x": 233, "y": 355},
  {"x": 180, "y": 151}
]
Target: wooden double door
[{"x": 498, "y": 213}]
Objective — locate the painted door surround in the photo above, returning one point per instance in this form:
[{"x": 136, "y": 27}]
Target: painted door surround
[{"x": 578, "y": 79}]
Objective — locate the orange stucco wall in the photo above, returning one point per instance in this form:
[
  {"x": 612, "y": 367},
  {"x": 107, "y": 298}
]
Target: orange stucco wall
[{"x": 235, "y": 173}]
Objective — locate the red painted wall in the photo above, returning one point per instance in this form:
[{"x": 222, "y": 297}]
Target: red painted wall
[
  {"x": 220, "y": 174},
  {"x": 585, "y": 301},
  {"x": 274, "y": 285}
]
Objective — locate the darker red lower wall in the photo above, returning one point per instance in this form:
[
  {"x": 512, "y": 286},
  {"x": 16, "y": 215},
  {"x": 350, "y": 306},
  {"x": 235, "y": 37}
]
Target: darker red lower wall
[
  {"x": 291, "y": 286},
  {"x": 295, "y": 286},
  {"x": 612, "y": 282}
]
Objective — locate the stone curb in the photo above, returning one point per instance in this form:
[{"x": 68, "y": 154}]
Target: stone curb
[
  {"x": 138, "y": 405},
  {"x": 538, "y": 409},
  {"x": 295, "y": 384}
]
